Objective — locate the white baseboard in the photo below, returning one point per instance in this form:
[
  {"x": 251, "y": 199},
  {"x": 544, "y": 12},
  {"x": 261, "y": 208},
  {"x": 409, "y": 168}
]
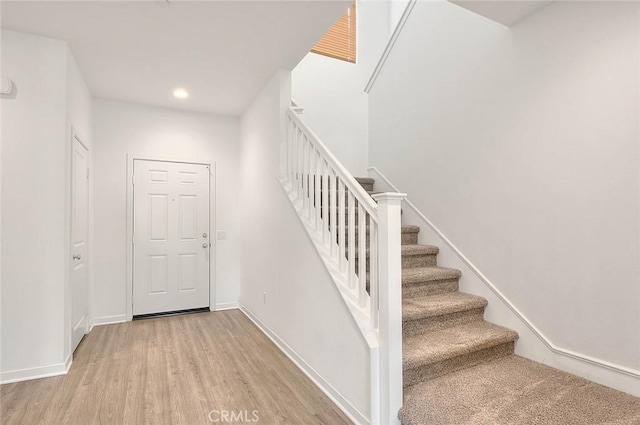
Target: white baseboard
[
  {"x": 338, "y": 399},
  {"x": 36, "y": 372},
  {"x": 225, "y": 306},
  {"x": 532, "y": 344},
  {"x": 107, "y": 320}
]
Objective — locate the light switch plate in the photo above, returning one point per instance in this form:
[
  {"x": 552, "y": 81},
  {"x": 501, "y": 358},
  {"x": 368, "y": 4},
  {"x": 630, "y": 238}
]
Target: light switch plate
[{"x": 221, "y": 236}]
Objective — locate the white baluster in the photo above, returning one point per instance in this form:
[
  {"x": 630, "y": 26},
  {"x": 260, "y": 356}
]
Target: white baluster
[
  {"x": 352, "y": 241},
  {"x": 374, "y": 288},
  {"x": 289, "y": 124},
  {"x": 311, "y": 181},
  {"x": 294, "y": 138},
  {"x": 300, "y": 162},
  {"x": 305, "y": 173},
  {"x": 298, "y": 143},
  {"x": 326, "y": 239},
  {"x": 318, "y": 194},
  {"x": 291, "y": 153},
  {"x": 390, "y": 329},
  {"x": 333, "y": 211},
  {"x": 342, "y": 232},
  {"x": 362, "y": 256}
]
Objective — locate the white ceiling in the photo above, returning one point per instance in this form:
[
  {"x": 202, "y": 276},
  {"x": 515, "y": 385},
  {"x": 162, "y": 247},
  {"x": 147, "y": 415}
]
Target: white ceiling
[
  {"x": 506, "y": 12},
  {"x": 222, "y": 52}
]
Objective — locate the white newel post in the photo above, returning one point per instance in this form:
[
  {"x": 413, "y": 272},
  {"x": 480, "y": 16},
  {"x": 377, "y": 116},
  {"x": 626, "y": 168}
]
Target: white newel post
[{"x": 390, "y": 305}]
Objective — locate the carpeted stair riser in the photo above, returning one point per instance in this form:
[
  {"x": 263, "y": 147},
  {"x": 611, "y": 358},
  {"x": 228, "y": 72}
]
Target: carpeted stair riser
[
  {"x": 431, "y": 287},
  {"x": 431, "y": 371},
  {"x": 422, "y": 260},
  {"x": 366, "y": 182},
  {"x": 427, "y": 324},
  {"x": 436, "y": 312},
  {"x": 409, "y": 261},
  {"x": 367, "y": 186},
  {"x": 420, "y": 289},
  {"x": 419, "y": 282},
  {"x": 409, "y": 239}
]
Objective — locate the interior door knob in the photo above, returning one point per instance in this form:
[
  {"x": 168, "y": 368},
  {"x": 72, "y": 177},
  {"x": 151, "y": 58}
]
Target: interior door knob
[
  {"x": 204, "y": 235},
  {"x": 76, "y": 257},
  {"x": 205, "y": 245}
]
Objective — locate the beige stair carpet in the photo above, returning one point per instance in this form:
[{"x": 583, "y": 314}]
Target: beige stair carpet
[
  {"x": 459, "y": 369},
  {"x": 513, "y": 391}
]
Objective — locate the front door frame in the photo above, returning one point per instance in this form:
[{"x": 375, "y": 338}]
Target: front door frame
[{"x": 130, "y": 218}]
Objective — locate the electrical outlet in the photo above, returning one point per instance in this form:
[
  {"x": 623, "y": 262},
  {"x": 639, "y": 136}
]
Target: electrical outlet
[{"x": 264, "y": 297}]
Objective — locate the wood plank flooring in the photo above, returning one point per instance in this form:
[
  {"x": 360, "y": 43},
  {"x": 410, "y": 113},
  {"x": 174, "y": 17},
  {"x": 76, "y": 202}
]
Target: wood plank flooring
[{"x": 170, "y": 371}]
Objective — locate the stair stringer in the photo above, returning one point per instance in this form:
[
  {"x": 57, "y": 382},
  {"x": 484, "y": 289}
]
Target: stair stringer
[{"x": 532, "y": 343}]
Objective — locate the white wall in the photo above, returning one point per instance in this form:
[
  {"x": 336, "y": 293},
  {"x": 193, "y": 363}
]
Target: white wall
[
  {"x": 34, "y": 206},
  {"x": 332, "y": 94},
  {"x": 303, "y": 310},
  {"x": 521, "y": 145},
  {"x": 124, "y": 128}
]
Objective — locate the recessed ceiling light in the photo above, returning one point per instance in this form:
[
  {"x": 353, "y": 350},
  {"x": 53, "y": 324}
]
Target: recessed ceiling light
[{"x": 180, "y": 93}]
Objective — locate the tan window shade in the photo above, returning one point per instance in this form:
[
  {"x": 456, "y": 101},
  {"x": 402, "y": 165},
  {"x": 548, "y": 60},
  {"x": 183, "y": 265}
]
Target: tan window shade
[{"x": 340, "y": 41}]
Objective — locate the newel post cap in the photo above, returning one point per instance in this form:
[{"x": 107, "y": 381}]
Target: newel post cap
[{"x": 389, "y": 197}]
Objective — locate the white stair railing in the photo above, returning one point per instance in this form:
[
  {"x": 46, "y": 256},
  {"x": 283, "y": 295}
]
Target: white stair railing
[{"x": 359, "y": 240}]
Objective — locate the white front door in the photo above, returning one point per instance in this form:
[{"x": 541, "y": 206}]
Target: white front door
[
  {"x": 79, "y": 242},
  {"x": 171, "y": 236}
]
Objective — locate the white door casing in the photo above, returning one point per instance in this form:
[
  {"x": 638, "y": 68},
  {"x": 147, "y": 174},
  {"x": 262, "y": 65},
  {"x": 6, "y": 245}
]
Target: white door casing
[
  {"x": 171, "y": 237},
  {"x": 79, "y": 242}
]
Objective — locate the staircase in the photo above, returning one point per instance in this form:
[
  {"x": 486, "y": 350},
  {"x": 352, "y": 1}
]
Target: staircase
[
  {"x": 460, "y": 369},
  {"x": 443, "y": 329},
  {"x": 433, "y": 357}
]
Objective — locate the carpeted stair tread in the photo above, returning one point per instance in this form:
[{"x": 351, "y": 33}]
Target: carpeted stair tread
[
  {"x": 447, "y": 343},
  {"x": 411, "y": 250},
  {"x": 437, "y": 305},
  {"x": 428, "y": 274},
  {"x": 365, "y": 180},
  {"x": 409, "y": 228},
  {"x": 513, "y": 391},
  {"x": 414, "y": 250}
]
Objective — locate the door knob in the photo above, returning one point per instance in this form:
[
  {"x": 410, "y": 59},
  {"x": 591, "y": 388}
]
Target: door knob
[
  {"x": 204, "y": 235},
  {"x": 205, "y": 245},
  {"x": 76, "y": 257}
]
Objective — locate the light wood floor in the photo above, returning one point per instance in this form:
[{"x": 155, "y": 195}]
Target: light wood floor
[{"x": 171, "y": 371}]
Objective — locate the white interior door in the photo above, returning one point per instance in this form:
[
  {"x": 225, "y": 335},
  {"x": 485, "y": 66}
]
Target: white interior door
[
  {"x": 171, "y": 236},
  {"x": 79, "y": 242}
]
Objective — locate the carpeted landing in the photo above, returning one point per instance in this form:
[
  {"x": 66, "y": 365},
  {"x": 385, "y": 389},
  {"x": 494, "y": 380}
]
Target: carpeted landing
[{"x": 512, "y": 390}]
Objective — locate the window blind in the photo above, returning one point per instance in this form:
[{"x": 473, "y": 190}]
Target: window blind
[{"x": 340, "y": 41}]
